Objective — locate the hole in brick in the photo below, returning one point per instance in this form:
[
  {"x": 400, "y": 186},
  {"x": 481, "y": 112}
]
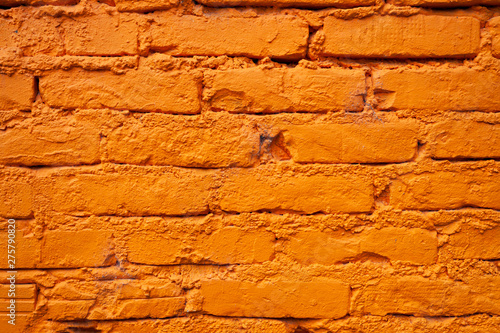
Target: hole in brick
[
  {"x": 366, "y": 256},
  {"x": 278, "y": 148},
  {"x": 301, "y": 329}
]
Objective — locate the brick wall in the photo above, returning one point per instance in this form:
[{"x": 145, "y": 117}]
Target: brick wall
[{"x": 251, "y": 166}]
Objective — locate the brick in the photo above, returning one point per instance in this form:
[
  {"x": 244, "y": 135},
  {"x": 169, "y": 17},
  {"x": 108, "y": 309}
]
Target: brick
[
  {"x": 328, "y": 299},
  {"x": 349, "y": 143},
  {"x": 73, "y": 249},
  {"x": 417, "y": 246},
  {"x": 446, "y": 190},
  {"x": 229, "y": 245},
  {"x": 136, "y": 90},
  {"x": 146, "y": 308},
  {"x": 121, "y": 288},
  {"x": 419, "y": 36},
  {"x": 446, "y": 3},
  {"x": 258, "y": 90},
  {"x": 418, "y": 296},
  {"x": 56, "y": 142},
  {"x": 17, "y": 198},
  {"x": 77, "y": 290},
  {"x": 175, "y": 192},
  {"x": 279, "y": 37},
  {"x": 177, "y": 142},
  {"x": 21, "y": 305},
  {"x": 68, "y": 310},
  {"x": 472, "y": 243},
  {"x": 257, "y": 189},
  {"x": 33, "y": 35},
  {"x": 27, "y": 251},
  {"x": 495, "y": 42},
  {"x": 464, "y": 139},
  {"x": 19, "y": 327},
  {"x": 456, "y": 89},
  {"x": 21, "y": 291},
  {"x": 102, "y": 34},
  {"x": 144, "y": 5},
  {"x": 127, "y": 289},
  {"x": 289, "y": 3},
  {"x": 16, "y": 92}
]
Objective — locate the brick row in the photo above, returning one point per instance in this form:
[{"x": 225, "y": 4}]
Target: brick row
[
  {"x": 258, "y": 90},
  {"x": 139, "y": 191},
  {"x": 234, "y": 245},
  {"x": 197, "y": 142},
  {"x": 281, "y": 37}
]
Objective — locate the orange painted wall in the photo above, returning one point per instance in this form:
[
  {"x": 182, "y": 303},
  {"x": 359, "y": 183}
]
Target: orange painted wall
[{"x": 251, "y": 166}]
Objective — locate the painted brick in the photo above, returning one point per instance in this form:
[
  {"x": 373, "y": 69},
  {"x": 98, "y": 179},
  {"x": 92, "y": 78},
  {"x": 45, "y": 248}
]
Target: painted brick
[
  {"x": 280, "y": 37},
  {"x": 289, "y": 3},
  {"x": 464, "y": 139},
  {"x": 68, "y": 310},
  {"x": 21, "y": 305},
  {"x": 16, "y": 91},
  {"x": 363, "y": 143},
  {"x": 328, "y": 299},
  {"x": 34, "y": 35},
  {"x": 175, "y": 192},
  {"x": 101, "y": 35},
  {"x": 258, "y": 90},
  {"x": 446, "y": 190},
  {"x": 146, "y": 308},
  {"x": 27, "y": 250},
  {"x": 472, "y": 243},
  {"x": 17, "y": 198},
  {"x": 64, "y": 141},
  {"x": 262, "y": 189},
  {"x": 456, "y": 89},
  {"x": 418, "y": 296},
  {"x": 229, "y": 245},
  {"x": 22, "y": 290},
  {"x": 417, "y": 246},
  {"x": 19, "y": 327},
  {"x": 142, "y": 289},
  {"x": 446, "y": 3},
  {"x": 420, "y": 36},
  {"x": 144, "y": 5},
  {"x": 136, "y": 90},
  {"x": 121, "y": 288},
  {"x": 184, "y": 143},
  {"x": 495, "y": 27},
  {"x": 84, "y": 248}
]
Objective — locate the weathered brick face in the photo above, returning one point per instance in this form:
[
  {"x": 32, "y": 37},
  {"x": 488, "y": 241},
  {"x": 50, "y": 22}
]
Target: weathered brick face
[{"x": 280, "y": 166}]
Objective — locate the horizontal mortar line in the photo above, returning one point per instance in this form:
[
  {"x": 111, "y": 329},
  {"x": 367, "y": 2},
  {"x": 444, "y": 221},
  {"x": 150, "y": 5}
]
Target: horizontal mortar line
[
  {"x": 228, "y": 213},
  {"x": 255, "y": 166}
]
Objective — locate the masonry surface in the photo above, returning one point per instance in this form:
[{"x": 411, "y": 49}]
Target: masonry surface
[{"x": 286, "y": 166}]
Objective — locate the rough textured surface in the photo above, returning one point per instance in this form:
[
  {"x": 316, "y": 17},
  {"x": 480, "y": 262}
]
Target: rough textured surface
[
  {"x": 257, "y": 90},
  {"x": 420, "y": 36},
  {"x": 291, "y": 166}
]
